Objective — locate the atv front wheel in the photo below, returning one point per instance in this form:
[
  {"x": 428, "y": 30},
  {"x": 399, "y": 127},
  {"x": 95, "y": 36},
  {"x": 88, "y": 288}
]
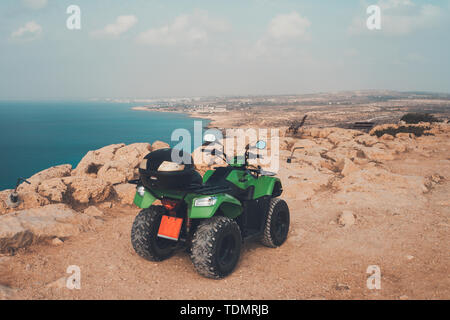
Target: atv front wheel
[
  {"x": 277, "y": 224},
  {"x": 216, "y": 247},
  {"x": 144, "y": 237}
]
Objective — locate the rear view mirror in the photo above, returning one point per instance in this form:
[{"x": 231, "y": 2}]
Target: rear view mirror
[
  {"x": 261, "y": 144},
  {"x": 209, "y": 138}
]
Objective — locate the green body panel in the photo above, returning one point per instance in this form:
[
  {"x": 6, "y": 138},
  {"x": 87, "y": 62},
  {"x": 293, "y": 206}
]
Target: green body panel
[
  {"x": 145, "y": 201},
  {"x": 230, "y": 206},
  {"x": 263, "y": 185},
  {"x": 207, "y": 175}
]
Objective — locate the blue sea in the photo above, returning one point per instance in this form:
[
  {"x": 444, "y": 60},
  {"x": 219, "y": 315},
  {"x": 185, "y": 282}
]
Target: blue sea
[{"x": 37, "y": 135}]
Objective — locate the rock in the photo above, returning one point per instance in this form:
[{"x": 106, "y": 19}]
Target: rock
[
  {"x": 377, "y": 153},
  {"x": 349, "y": 167},
  {"x": 116, "y": 172},
  {"x": 122, "y": 166},
  {"x": 113, "y": 164},
  {"x": 22, "y": 228},
  {"x": 366, "y": 140},
  {"x": 133, "y": 153},
  {"x": 403, "y": 297},
  {"x": 29, "y": 199},
  {"x": 436, "y": 178},
  {"x": 47, "y": 174},
  {"x": 60, "y": 283},
  {"x": 125, "y": 192},
  {"x": 105, "y": 205},
  {"x": 387, "y": 137},
  {"x": 6, "y": 293},
  {"x": 84, "y": 189},
  {"x": 159, "y": 145},
  {"x": 347, "y": 219},
  {"x": 409, "y": 257},
  {"x": 91, "y": 163},
  {"x": 56, "y": 242},
  {"x": 53, "y": 189},
  {"x": 404, "y": 135},
  {"x": 93, "y": 212},
  {"x": 342, "y": 287}
]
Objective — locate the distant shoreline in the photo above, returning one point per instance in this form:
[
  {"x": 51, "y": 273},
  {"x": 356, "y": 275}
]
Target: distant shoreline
[{"x": 189, "y": 114}]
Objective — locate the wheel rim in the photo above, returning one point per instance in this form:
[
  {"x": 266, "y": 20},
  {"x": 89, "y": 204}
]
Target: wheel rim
[
  {"x": 280, "y": 226},
  {"x": 227, "y": 250}
]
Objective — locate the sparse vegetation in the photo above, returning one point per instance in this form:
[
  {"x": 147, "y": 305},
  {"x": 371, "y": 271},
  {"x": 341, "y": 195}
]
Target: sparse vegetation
[
  {"x": 414, "y": 118},
  {"x": 416, "y": 130}
]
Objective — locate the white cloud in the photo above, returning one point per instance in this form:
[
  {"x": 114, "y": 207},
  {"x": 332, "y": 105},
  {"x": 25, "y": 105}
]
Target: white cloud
[
  {"x": 30, "y": 31},
  {"x": 35, "y": 4},
  {"x": 120, "y": 26},
  {"x": 281, "y": 38},
  {"x": 288, "y": 26},
  {"x": 400, "y": 17},
  {"x": 185, "y": 29}
]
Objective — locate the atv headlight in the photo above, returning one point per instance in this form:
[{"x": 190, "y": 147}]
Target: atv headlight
[
  {"x": 140, "y": 190},
  {"x": 205, "y": 202},
  {"x": 168, "y": 166}
]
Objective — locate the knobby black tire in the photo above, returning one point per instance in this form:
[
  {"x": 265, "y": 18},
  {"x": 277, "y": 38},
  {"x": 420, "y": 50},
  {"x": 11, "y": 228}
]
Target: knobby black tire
[
  {"x": 208, "y": 240},
  {"x": 277, "y": 207},
  {"x": 144, "y": 237}
]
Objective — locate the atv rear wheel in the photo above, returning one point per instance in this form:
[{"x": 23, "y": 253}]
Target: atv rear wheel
[
  {"x": 216, "y": 247},
  {"x": 144, "y": 237},
  {"x": 277, "y": 224}
]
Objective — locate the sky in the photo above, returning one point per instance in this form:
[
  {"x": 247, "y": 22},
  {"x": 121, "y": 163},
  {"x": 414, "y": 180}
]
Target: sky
[{"x": 177, "y": 48}]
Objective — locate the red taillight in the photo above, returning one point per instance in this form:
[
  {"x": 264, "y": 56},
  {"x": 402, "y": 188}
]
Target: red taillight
[{"x": 169, "y": 204}]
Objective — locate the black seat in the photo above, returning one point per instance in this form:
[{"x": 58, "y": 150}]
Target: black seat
[{"x": 218, "y": 178}]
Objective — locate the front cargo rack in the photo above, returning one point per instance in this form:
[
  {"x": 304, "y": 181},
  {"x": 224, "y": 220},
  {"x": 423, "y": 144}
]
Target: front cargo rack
[{"x": 196, "y": 188}]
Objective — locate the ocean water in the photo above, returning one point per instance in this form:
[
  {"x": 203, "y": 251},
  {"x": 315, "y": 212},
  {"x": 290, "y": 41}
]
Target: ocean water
[{"x": 37, "y": 135}]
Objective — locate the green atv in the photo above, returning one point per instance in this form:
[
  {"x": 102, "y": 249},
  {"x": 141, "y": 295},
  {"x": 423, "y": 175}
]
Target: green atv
[{"x": 210, "y": 216}]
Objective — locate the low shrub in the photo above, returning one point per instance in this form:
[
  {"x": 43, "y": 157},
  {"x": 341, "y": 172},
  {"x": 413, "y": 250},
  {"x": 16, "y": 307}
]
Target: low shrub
[
  {"x": 414, "y": 118},
  {"x": 418, "y": 131}
]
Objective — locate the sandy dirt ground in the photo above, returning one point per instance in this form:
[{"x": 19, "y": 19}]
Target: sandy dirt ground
[{"x": 320, "y": 260}]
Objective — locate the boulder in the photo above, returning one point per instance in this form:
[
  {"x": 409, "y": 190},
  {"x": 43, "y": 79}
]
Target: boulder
[
  {"x": 121, "y": 167},
  {"x": 378, "y": 153},
  {"x": 404, "y": 135},
  {"x": 116, "y": 172},
  {"x": 387, "y": 136},
  {"x": 22, "y": 228},
  {"x": 159, "y": 145},
  {"x": 53, "y": 189},
  {"x": 56, "y": 242},
  {"x": 366, "y": 140},
  {"x": 94, "y": 160},
  {"x": 47, "y": 174},
  {"x": 125, "y": 192},
  {"x": 29, "y": 199},
  {"x": 84, "y": 189},
  {"x": 349, "y": 167}
]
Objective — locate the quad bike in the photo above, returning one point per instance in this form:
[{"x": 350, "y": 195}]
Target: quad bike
[{"x": 210, "y": 217}]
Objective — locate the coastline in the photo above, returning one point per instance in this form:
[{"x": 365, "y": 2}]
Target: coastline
[{"x": 208, "y": 117}]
